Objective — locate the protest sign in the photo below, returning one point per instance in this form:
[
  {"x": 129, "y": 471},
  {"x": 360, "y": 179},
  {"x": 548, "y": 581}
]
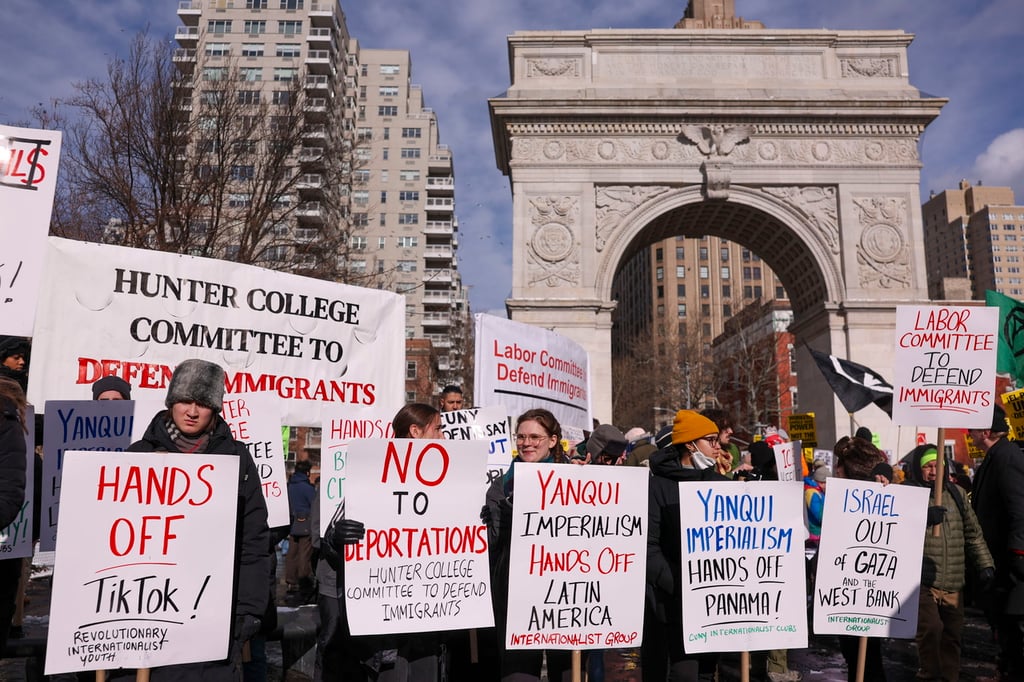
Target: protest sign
[
  {"x": 340, "y": 428},
  {"x": 28, "y": 180},
  {"x": 1014, "y": 404},
  {"x": 480, "y": 423},
  {"x": 787, "y": 461},
  {"x": 16, "y": 538},
  {"x": 945, "y": 366},
  {"x": 255, "y": 419},
  {"x": 310, "y": 343},
  {"x": 802, "y": 428},
  {"x": 869, "y": 559},
  {"x": 521, "y": 367},
  {"x": 824, "y": 456},
  {"x": 77, "y": 425},
  {"x": 742, "y": 566},
  {"x": 578, "y": 559},
  {"x": 145, "y": 561},
  {"x": 422, "y": 566}
]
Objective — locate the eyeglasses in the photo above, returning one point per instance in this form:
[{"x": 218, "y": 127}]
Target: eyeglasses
[
  {"x": 532, "y": 439},
  {"x": 711, "y": 440}
]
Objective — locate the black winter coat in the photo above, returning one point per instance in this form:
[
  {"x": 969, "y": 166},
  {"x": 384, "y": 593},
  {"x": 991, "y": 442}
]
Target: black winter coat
[
  {"x": 12, "y": 464},
  {"x": 998, "y": 499},
  {"x": 252, "y": 536}
]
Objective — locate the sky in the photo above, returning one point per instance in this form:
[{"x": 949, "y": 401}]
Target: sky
[{"x": 965, "y": 50}]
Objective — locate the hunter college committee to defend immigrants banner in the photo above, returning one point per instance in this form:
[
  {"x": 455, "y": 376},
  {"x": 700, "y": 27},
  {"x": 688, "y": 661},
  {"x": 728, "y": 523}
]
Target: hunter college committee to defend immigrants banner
[{"x": 134, "y": 313}]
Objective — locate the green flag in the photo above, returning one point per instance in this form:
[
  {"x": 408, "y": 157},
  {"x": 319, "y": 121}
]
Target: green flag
[{"x": 1010, "y": 355}]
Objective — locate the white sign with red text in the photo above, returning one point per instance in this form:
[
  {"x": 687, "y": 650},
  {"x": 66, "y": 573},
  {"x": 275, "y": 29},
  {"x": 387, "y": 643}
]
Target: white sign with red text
[
  {"x": 28, "y": 181},
  {"x": 578, "y": 558},
  {"x": 422, "y": 566},
  {"x": 255, "y": 419},
  {"x": 787, "y": 462},
  {"x": 145, "y": 561},
  {"x": 521, "y": 367},
  {"x": 945, "y": 366},
  {"x": 312, "y": 344}
]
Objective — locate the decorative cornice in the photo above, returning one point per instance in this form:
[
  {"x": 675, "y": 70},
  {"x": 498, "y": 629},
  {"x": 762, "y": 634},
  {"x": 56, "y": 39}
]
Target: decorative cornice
[{"x": 560, "y": 128}]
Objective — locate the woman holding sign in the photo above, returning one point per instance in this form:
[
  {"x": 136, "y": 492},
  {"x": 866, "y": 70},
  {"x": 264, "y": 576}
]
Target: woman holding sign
[
  {"x": 538, "y": 439},
  {"x": 12, "y": 489},
  {"x": 694, "y": 455}
]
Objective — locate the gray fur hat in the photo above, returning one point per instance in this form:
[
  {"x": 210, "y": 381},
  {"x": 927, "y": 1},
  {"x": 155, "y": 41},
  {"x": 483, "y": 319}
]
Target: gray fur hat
[{"x": 197, "y": 381}]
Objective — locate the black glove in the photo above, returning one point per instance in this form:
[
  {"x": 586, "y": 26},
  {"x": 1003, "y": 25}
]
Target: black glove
[
  {"x": 1016, "y": 566},
  {"x": 936, "y": 515},
  {"x": 347, "y": 532},
  {"x": 246, "y": 627},
  {"x": 485, "y": 515},
  {"x": 985, "y": 578}
]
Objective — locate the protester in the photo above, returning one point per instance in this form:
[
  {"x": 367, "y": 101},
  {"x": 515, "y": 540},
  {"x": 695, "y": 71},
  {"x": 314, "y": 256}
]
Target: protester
[
  {"x": 111, "y": 388},
  {"x": 192, "y": 424},
  {"x": 538, "y": 440},
  {"x": 940, "y": 613},
  {"x": 12, "y": 490},
  {"x": 14, "y": 352},
  {"x": 451, "y": 398},
  {"x": 814, "y": 498},
  {"x": 998, "y": 499},
  {"x": 692, "y": 456},
  {"x": 725, "y": 430},
  {"x": 298, "y": 567}
]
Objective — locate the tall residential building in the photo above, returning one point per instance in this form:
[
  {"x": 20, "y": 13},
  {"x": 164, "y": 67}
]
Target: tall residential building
[
  {"x": 405, "y": 205},
  {"x": 973, "y": 232}
]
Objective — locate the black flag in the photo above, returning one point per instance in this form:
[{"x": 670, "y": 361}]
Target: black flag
[{"x": 855, "y": 385}]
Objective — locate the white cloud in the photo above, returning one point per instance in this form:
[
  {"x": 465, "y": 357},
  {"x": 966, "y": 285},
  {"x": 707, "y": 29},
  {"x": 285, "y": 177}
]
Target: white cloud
[{"x": 1002, "y": 163}]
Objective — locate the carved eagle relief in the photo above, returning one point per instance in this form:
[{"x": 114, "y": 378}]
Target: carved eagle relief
[{"x": 717, "y": 140}]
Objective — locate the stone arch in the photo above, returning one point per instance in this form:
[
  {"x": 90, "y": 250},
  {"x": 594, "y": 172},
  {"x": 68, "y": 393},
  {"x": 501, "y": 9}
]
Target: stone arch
[{"x": 802, "y": 252}]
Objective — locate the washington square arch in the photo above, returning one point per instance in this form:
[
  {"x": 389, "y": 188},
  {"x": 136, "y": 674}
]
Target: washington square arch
[{"x": 800, "y": 145}]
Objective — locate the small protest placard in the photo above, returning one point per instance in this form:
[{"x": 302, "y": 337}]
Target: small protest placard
[
  {"x": 743, "y": 566},
  {"x": 480, "y": 423},
  {"x": 802, "y": 428},
  {"x": 422, "y": 566},
  {"x": 145, "y": 561},
  {"x": 77, "y": 425},
  {"x": 16, "y": 538},
  {"x": 578, "y": 557},
  {"x": 787, "y": 462},
  {"x": 869, "y": 559},
  {"x": 1014, "y": 404},
  {"x": 255, "y": 419}
]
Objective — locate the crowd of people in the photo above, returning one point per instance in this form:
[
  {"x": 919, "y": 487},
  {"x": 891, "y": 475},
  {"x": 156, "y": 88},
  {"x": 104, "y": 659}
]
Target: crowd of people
[{"x": 979, "y": 548}]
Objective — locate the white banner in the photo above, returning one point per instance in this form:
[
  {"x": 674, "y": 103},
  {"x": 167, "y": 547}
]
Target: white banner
[
  {"x": 945, "y": 366},
  {"x": 743, "y": 566},
  {"x": 786, "y": 461},
  {"x": 520, "y": 366},
  {"x": 16, "y": 538},
  {"x": 136, "y": 313},
  {"x": 145, "y": 561},
  {"x": 869, "y": 559},
  {"x": 77, "y": 425},
  {"x": 255, "y": 419},
  {"x": 578, "y": 561},
  {"x": 28, "y": 180},
  {"x": 422, "y": 566}
]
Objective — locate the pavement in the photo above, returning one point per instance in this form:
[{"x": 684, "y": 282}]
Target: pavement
[{"x": 819, "y": 662}]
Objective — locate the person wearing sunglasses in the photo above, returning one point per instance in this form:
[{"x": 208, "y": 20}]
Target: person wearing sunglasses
[{"x": 693, "y": 455}]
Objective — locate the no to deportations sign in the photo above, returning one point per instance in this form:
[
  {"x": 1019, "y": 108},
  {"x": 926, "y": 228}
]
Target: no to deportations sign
[
  {"x": 945, "y": 366},
  {"x": 144, "y": 564},
  {"x": 743, "y": 566},
  {"x": 869, "y": 559},
  {"x": 135, "y": 313},
  {"x": 521, "y": 366},
  {"x": 422, "y": 566},
  {"x": 578, "y": 561}
]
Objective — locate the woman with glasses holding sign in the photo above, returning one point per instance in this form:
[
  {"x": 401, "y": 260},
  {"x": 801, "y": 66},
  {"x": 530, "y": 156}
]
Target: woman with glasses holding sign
[{"x": 538, "y": 440}]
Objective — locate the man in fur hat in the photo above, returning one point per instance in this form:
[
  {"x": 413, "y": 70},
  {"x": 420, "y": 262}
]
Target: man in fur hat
[{"x": 192, "y": 423}]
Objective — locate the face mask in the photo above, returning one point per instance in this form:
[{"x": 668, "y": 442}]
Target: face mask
[{"x": 701, "y": 461}]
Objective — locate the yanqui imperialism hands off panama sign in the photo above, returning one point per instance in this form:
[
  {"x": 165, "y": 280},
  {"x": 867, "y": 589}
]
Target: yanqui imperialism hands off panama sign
[{"x": 141, "y": 578}]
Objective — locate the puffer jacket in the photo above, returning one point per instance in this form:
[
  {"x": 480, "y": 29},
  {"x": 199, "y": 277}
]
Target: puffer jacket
[
  {"x": 960, "y": 538},
  {"x": 12, "y": 463}
]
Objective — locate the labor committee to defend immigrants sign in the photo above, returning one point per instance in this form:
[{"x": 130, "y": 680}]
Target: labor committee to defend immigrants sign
[
  {"x": 742, "y": 566},
  {"x": 422, "y": 566},
  {"x": 145, "y": 562},
  {"x": 579, "y": 557},
  {"x": 135, "y": 313}
]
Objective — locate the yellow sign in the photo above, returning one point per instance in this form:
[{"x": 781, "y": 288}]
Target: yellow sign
[
  {"x": 801, "y": 428},
  {"x": 973, "y": 451},
  {"x": 1014, "y": 402}
]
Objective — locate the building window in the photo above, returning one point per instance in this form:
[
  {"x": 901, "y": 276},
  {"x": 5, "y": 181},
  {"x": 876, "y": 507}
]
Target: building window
[
  {"x": 680, "y": 271},
  {"x": 680, "y": 253},
  {"x": 408, "y": 218},
  {"x": 661, "y": 291},
  {"x": 387, "y": 110},
  {"x": 780, "y": 291},
  {"x": 214, "y": 73},
  {"x": 285, "y": 74},
  {"x": 681, "y": 309},
  {"x": 723, "y": 254},
  {"x": 382, "y": 242},
  {"x": 411, "y": 153},
  {"x": 727, "y": 310},
  {"x": 387, "y": 133},
  {"x": 412, "y": 133},
  {"x": 218, "y": 26},
  {"x": 409, "y": 175},
  {"x": 705, "y": 291},
  {"x": 409, "y": 195},
  {"x": 659, "y": 273},
  {"x": 705, "y": 309},
  {"x": 252, "y": 49},
  {"x": 390, "y": 69},
  {"x": 703, "y": 253},
  {"x": 289, "y": 28},
  {"x": 250, "y": 73},
  {"x": 288, "y": 50},
  {"x": 725, "y": 272},
  {"x": 680, "y": 290},
  {"x": 282, "y": 97},
  {"x": 254, "y": 27},
  {"x": 407, "y": 242},
  {"x": 406, "y": 266},
  {"x": 659, "y": 253},
  {"x": 291, "y": 4},
  {"x": 255, "y": 4},
  {"x": 243, "y": 172},
  {"x": 211, "y": 96},
  {"x": 364, "y": 133},
  {"x": 357, "y": 243},
  {"x": 361, "y": 197},
  {"x": 383, "y": 220},
  {"x": 703, "y": 272},
  {"x": 239, "y": 200},
  {"x": 388, "y": 91},
  {"x": 726, "y": 291},
  {"x": 218, "y": 49},
  {"x": 360, "y": 220},
  {"x": 410, "y": 369}
]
